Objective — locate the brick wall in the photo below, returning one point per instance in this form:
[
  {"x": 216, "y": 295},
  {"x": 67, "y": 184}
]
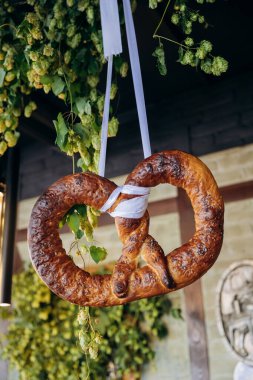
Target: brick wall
[{"x": 216, "y": 116}]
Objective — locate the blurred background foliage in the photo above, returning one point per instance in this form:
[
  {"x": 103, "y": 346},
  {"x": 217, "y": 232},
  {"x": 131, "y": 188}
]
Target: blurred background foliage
[{"x": 42, "y": 342}]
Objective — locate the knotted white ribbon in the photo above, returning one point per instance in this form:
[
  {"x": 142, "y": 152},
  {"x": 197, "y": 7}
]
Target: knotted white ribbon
[
  {"x": 130, "y": 208},
  {"x": 133, "y": 208}
]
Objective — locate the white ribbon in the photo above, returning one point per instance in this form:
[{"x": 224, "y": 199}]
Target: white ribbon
[
  {"x": 104, "y": 129},
  {"x": 110, "y": 27},
  {"x": 130, "y": 208},
  {"x": 112, "y": 45},
  {"x": 135, "y": 207},
  {"x": 137, "y": 78}
]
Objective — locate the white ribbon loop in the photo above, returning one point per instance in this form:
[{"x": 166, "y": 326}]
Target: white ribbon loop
[
  {"x": 110, "y": 27},
  {"x": 130, "y": 208},
  {"x": 112, "y": 198}
]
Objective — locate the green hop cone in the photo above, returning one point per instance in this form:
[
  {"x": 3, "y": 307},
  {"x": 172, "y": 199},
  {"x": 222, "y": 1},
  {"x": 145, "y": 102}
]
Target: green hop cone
[
  {"x": 82, "y": 5},
  {"x": 93, "y": 352},
  {"x": 123, "y": 69},
  {"x": 160, "y": 56},
  {"x": 114, "y": 89},
  {"x": 88, "y": 231},
  {"x": 75, "y": 41},
  {"x": 83, "y": 316},
  {"x": 194, "y": 16},
  {"x": 32, "y": 18},
  {"x": 34, "y": 56},
  {"x": 84, "y": 340},
  {"x": 84, "y": 153},
  {"x": 36, "y": 33},
  {"x": 201, "y": 53},
  {"x": 100, "y": 103},
  {"x": 175, "y": 18},
  {"x": 93, "y": 95},
  {"x": 189, "y": 41},
  {"x": 3, "y": 147},
  {"x": 113, "y": 127},
  {"x": 92, "y": 80},
  {"x": 28, "y": 111},
  {"x": 70, "y": 3},
  {"x": 93, "y": 220},
  {"x": 90, "y": 15},
  {"x": 67, "y": 57},
  {"x": 95, "y": 140},
  {"x": 219, "y": 66},
  {"x": 11, "y": 138},
  {"x": 188, "y": 58},
  {"x": 201, "y": 19},
  {"x": 10, "y": 76},
  {"x": 206, "y": 66},
  {"x": 48, "y": 51},
  {"x": 71, "y": 30},
  {"x": 16, "y": 112},
  {"x": 206, "y": 45}
]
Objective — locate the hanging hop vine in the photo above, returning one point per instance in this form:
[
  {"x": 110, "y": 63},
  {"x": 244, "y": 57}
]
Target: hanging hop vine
[
  {"x": 55, "y": 46},
  {"x": 192, "y": 53},
  {"x": 44, "y": 342}
]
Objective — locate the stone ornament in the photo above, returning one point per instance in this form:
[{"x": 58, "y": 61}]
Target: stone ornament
[
  {"x": 243, "y": 372},
  {"x": 129, "y": 281},
  {"x": 235, "y": 309}
]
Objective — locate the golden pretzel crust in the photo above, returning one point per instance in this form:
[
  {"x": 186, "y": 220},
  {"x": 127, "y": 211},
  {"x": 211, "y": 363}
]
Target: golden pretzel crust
[{"x": 162, "y": 274}]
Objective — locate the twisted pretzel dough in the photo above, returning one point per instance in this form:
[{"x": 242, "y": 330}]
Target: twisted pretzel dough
[{"x": 162, "y": 274}]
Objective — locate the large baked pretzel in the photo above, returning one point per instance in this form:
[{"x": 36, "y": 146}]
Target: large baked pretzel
[{"x": 162, "y": 274}]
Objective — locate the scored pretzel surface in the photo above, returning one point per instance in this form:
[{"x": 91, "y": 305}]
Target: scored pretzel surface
[{"x": 162, "y": 274}]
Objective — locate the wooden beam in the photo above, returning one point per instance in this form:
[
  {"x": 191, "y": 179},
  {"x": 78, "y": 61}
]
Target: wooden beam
[
  {"x": 194, "y": 307},
  {"x": 237, "y": 192}
]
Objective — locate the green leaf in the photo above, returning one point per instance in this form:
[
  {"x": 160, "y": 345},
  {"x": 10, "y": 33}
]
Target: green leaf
[
  {"x": 2, "y": 76},
  {"x": 81, "y": 131},
  {"x": 57, "y": 85},
  {"x": 176, "y": 313},
  {"x": 62, "y": 132},
  {"x": 74, "y": 222},
  {"x": 46, "y": 79},
  {"x": 98, "y": 253},
  {"x": 83, "y": 106},
  {"x": 93, "y": 67},
  {"x": 79, "y": 234},
  {"x": 82, "y": 210},
  {"x": 180, "y": 54}
]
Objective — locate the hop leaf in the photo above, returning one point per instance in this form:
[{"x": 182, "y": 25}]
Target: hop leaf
[
  {"x": 98, "y": 253},
  {"x": 62, "y": 132}
]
